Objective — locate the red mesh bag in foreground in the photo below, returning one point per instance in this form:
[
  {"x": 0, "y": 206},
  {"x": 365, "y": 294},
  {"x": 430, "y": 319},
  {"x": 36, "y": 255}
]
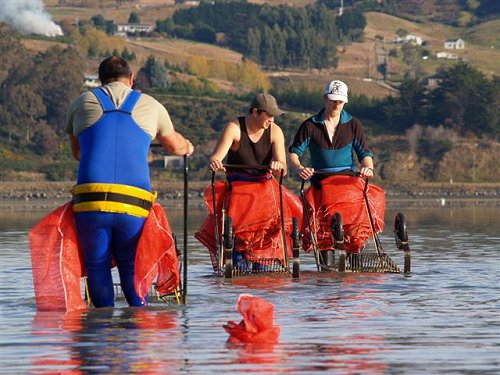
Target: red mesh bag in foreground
[
  {"x": 255, "y": 210},
  {"x": 343, "y": 194},
  {"x": 257, "y": 324},
  {"x": 57, "y": 265}
]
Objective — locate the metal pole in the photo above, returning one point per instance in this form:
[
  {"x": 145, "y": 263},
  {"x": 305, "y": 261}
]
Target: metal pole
[
  {"x": 305, "y": 205},
  {"x": 282, "y": 213},
  {"x": 474, "y": 167},
  {"x": 184, "y": 258}
]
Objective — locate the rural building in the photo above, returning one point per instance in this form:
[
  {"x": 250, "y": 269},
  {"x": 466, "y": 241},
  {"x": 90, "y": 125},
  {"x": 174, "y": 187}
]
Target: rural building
[
  {"x": 91, "y": 81},
  {"x": 123, "y": 29},
  {"x": 446, "y": 55},
  {"x": 454, "y": 44},
  {"x": 413, "y": 39},
  {"x": 194, "y": 3}
]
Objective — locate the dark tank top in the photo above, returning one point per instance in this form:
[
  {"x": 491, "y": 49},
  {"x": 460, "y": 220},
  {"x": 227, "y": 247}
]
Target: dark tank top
[{"x": 250, "y": 153}]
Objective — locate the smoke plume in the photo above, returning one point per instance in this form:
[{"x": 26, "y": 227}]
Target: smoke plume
[{"x": 29, "y": 17}]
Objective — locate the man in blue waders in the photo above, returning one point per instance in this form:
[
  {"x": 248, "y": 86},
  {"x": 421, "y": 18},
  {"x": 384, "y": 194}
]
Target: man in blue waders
[{"x": 110, "y": 130}]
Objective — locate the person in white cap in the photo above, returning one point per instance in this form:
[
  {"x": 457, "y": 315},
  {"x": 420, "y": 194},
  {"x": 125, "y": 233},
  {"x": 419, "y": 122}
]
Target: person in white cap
[{"x": 331, "y": 136}]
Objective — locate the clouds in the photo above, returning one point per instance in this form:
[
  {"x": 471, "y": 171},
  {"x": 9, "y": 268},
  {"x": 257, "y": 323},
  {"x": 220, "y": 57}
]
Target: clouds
[{"x": 29, "y": 17}]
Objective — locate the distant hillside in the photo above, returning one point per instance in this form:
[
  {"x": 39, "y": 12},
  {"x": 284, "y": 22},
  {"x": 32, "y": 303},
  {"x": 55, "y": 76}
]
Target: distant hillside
[
  {"x": 482, "y": 42},
  {"x": 358, "y": 62},
  {"x": 450, "y": 12},
  {"x": 486, "y": 34},
  {"x": 438, "y": 11}
]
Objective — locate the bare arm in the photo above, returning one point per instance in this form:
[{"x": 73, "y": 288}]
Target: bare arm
[
  {"x": 304, "y": 172},
  {"x": 366, "y": 167},
  {"x": 229, "y": 136},
  {"x": 278, "y": 146},
  {"x": 176, "y": 144},
  {"x": 75, "y": 146}
]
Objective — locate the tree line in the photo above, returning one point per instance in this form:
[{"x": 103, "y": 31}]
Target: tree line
[{"x": 274, "y": 36}]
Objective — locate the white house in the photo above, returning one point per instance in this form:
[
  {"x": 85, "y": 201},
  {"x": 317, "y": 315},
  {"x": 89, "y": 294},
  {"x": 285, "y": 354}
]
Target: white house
[
  {"x": 91, "y": 81},
  {"x": 454, "y": 44},
  {"x": 194, "y": 3},
  {"x": 131, "y": 28},
  {"x": 446, "y": 55},
  {"x": 413, "y": 39}
]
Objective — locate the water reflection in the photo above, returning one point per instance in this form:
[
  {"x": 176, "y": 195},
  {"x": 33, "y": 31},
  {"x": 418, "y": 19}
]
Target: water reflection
[
  {"x": 256, "y": 355},
  {"x": 57, "y": 329},
  {"x": 342, "y": 319},
  {"x": 479, "y": 219},
  {"x": 108, "y": 340},
  {"x": 353, "y": 354},
  {"x": 266, "y": 283}
]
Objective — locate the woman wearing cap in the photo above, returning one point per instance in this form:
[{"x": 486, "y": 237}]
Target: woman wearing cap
[
  {"x": 255, "y": 148},
  {"x": 333, "y": 136}
]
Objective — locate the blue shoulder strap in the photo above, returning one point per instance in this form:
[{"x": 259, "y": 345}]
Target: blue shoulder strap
[
  {"x": 108, "y": 105},
  {"x": 130, "y": 102},
  {"x": 105, "y": 101}
]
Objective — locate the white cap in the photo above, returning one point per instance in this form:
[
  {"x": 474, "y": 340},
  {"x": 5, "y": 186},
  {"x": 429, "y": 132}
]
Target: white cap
[{"x": 336, "y": 90}]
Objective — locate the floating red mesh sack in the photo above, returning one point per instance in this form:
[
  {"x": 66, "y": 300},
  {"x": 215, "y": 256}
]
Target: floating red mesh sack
[
  {"x": 343, "y": 194},
  {"x": 56, "y": 262},
  {"x": 156, "y": 257},
  {"x": 255, "y": 210},
  {"x": 257, "y": 324}
]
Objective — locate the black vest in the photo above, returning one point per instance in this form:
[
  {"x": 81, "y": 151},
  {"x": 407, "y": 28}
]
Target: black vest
[{"x": 250, "y": 153}]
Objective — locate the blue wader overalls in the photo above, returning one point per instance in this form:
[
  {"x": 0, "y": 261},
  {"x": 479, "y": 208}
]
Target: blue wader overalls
[{"x": 112, "y": 197}]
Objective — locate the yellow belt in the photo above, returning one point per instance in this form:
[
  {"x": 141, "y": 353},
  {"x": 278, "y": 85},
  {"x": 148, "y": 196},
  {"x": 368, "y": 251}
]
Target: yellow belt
[{"x": 112, "y": 198}]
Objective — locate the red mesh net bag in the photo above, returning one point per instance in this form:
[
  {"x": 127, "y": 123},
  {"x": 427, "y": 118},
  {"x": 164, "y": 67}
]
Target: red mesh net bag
[
  {"x": 156, "y": 257},
  {"x": 56, "y": 262},
  {"x": 343, "y": 194},
  {"x": 206, "y": 233},
  {"x": 257, "y": 326},
  {"x": 255, "y": 211}
]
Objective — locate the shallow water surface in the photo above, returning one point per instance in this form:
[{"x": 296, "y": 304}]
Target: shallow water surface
[{"x": 443, "y": 318}]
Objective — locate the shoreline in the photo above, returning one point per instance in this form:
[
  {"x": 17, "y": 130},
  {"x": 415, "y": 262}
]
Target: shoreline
[
  {"x": 9, "y": 206},
  {"x": 46, "y": 196}
]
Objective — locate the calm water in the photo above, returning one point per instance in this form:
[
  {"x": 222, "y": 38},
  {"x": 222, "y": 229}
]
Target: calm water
[{"x": 443, "y": 319}]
